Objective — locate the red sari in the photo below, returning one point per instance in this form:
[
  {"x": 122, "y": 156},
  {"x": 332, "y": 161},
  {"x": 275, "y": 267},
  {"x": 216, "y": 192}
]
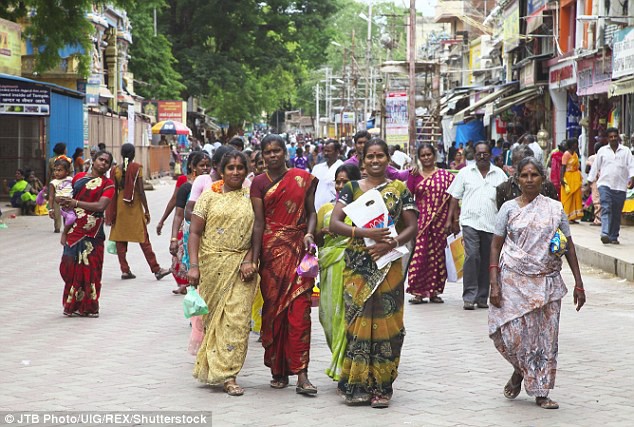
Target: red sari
[
  {"x": 427, "y": 268},
  {"x": 82, "y": 260},
  {"x": 286, "y": 311}
]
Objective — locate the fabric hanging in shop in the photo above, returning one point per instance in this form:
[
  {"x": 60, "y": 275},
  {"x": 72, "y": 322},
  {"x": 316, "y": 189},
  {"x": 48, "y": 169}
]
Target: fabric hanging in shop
[
  {"x": 573, "y": 129},
  {"x": 470, "y": 131}
]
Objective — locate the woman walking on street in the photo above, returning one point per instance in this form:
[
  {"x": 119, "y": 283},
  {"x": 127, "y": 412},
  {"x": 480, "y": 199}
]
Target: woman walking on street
[
  {"x": 373, "y": 297},
  {"x": 284, "y": 205},
  {"x": 198, "y": 164},
  {"x": 130, "y": 214},
  {"x": 82, "y": 260},
  {"x": 221, "y": 265},
  {"x": 527, "y": 287},
  {"x": 427, "y": 272},
  {"x": 331, "y": 264},
  {"x": 571, "y": 182}
]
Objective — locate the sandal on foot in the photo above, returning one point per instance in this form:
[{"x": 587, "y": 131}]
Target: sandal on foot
[
  {"x": 379, "y": 402},
  {"x": 128, "y": 275},
  {"x": 181, "y": 290},
  {"x": 546, "y": 403},
  {"x": 436, "y": 300},
  {"x": 417, "y": 300},
  {"x": 511, "y": 389},
  {"x": 279, "y": 382},
  {"x": 233, "y": 389},
  {"x": 162, "y": 273},
  {"x": 305, "y": 388}
]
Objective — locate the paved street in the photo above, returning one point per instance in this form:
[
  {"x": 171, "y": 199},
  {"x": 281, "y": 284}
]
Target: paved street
[{"x": 134, "y": 356}]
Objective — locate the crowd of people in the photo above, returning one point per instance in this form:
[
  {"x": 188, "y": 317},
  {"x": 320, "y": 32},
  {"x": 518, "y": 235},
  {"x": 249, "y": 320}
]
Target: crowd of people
[{"x": 245, "y": 218}]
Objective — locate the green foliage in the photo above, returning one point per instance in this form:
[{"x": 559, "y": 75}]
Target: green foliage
[
  {"x": 151, "y": 58},
  {"x": 55, "y": 25}
]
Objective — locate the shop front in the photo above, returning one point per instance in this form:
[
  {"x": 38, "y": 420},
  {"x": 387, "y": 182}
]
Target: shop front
[
  {"x": 594, "y": 76},
  {"x": 566, "y": 113},
  {"x": 621, "y": 89}
]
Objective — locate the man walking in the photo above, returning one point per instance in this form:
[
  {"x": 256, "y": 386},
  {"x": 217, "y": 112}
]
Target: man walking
[
  {"x": 476, "y": 186},
  {"x": 616, "y": 165},
  {"x": 325, "y": 173}
]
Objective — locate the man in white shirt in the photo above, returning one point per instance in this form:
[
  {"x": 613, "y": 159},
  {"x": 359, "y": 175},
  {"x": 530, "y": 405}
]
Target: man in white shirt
[
  {"x": 616, "y": 164},
  {"x": 325, "y": 173},
  {"x": 476, "y": 186},
  {"x": 400, "y": 158}
]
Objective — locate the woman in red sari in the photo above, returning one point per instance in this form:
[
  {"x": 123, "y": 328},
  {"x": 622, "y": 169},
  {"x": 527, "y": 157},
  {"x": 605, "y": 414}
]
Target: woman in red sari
[
  {"x": 82, "y": 260},
  {"x": 427, "y": 269},
  {"x": 285, "y": 219}
]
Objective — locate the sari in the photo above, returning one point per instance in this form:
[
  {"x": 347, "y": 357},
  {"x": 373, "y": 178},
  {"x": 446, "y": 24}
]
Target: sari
[
  {"x": 331, "y": 305},
  {"x": 525, "y": 328},
  {"x": 571, "y": 192},
  {"x": 82, "y": 260},
  {"x": 427, "y": 271},
  {"x": 287, "y": 296},
  {"x": 555, "y": 170},
  {"x": 223, "y": 245},
  {"x": 373, "y": 307},
  {"x": 18, "y": 192}
]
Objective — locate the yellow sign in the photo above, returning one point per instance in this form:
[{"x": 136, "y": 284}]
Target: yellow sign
[
  {"x": 10, "y": 48},
  {"x": 511, "y": 27}
]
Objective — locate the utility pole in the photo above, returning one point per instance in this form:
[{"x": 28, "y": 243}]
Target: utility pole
[
  {"x": 368, "y": 60},
  {"x": 317, "y": 124},
  {"x": 411, "y": 97}
]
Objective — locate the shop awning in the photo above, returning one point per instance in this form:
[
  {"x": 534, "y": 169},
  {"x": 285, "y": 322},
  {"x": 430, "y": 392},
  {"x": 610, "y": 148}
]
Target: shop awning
[
  {"x": 451, "y": 102},
  {"x": 460, "y": 116},
  {"x": 518, "y": 99},
  {"x": 621, "y": 87},
  {"x": 105, "y": 93}
]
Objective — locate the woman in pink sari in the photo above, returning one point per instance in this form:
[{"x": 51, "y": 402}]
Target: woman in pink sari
[{"x": 427, "y": 270}]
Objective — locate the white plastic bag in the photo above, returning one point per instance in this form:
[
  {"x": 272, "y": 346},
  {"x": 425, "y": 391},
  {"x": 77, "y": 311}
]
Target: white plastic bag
[{"x": 454, "y": 257}]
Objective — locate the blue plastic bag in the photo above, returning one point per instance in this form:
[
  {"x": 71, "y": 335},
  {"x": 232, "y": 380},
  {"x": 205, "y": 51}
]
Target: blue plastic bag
[
  {"x": 559, "y": 244},
  {"x": 193, "y": 304}
]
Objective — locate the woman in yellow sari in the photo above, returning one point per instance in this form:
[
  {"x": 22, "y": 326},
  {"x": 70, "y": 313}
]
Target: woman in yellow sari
[
  {"x": 571, "y": 182},
  {"x": 221, "y": 262}
]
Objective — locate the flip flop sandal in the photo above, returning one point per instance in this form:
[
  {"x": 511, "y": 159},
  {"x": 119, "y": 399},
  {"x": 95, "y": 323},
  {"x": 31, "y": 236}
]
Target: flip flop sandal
[
  {"x": 380, "y": 402},
  {"x": 233, "y": 389},
  {"x": 546, "y": 403},
  {"x": 279, "y": 383},
  {"x": 306, "y": 388},
  {"x": 417, "y": 300},
  {"x": 436, "y": 300},
  {"x": 128, "y": 275},
  {"x": 511, "y": 390}
]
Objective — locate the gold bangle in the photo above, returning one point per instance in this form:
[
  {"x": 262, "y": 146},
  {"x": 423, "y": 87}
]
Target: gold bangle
[{"x": 173, "y": 239}]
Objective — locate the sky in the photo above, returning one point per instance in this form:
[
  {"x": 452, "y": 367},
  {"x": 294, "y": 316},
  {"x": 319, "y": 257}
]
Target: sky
[{"x": 426, "y": 7}]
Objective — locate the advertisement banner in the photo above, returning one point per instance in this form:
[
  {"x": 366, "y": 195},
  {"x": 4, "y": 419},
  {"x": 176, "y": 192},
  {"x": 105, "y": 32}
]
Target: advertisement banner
[
  {"x": 623, "y": 53},
  {"x": 172, "y": 110},
  {"x": 534, "y": 12},
  {"x": 131, "y": 124},
  {"x": 10, "y": 48},
  {"x": 511, "y": 27},
  {"x": 150, "y": 108},
  {"x": 396, "y": 120},
  {"x": 24, "y": 98},
  {"x": 92, "y": 90}
]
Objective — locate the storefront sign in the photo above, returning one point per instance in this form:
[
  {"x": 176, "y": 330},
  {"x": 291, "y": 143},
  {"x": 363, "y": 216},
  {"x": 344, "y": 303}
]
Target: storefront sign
[
  {"x": 511, "y": 25},
  {"x": 172, "y": 110},
  {"x": 24, "y": 98},
  {"x": 10, "y": 48},
  {"x": 93, "y": 85},
  {"x": 594, "y": 75},
  {"x": 534, "y": 10},
  {"x": 562, "y": 75},
  {"x": 623, "y": 53},
  {"x": 150, "y": 108},
  {"x": 527, "y": 75},
  {"x": 396, "y": 122}
]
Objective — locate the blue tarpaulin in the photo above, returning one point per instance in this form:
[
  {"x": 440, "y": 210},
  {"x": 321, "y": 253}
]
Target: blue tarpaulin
[{"x": 471, "y": 131}]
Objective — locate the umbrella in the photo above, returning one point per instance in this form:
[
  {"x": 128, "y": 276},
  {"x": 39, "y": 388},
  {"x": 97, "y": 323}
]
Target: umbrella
[{"x": 170, "y": 127}]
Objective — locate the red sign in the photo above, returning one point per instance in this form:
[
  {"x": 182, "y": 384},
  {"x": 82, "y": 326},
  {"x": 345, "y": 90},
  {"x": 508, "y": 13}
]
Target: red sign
[
  {"x": 172, "y": 110},
  {"x": 563, "y": 73}
]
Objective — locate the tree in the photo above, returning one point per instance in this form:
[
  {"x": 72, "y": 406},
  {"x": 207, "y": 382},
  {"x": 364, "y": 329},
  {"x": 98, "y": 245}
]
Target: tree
[
  {"x": 151, "y": 58},
  {"x": 54, "y": 25}
]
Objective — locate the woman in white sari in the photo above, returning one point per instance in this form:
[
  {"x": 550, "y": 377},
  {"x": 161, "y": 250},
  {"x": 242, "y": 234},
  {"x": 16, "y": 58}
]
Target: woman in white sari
[{"x": 527, "y": 287}]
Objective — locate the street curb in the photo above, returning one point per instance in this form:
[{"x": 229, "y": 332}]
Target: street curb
[{"x": 607, "y": 263}]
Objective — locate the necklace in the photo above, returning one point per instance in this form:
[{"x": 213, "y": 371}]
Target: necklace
[
  {"x": 428, "y": 174},
  {"x": 269, "y": 176}
]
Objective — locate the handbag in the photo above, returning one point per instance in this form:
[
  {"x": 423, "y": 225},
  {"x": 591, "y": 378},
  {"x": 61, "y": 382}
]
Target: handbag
[
  {"x": 309, "y": 266},
  {"x": 193, "y": 304},
  {"x": 559, "y": 243}
]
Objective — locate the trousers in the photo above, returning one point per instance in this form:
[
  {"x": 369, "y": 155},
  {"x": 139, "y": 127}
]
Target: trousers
[
  {"x": 611, "y": 207},
  {"x": 475, "y": 280},
  {"x": 146, "y": 247}
]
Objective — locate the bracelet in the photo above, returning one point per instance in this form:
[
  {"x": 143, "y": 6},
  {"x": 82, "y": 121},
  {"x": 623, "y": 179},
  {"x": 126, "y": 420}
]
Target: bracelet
[
  {"x": 76, "y": 203},
  {"x": 492, "y": 266},
  {"x": 353, "y": 229},
  {"x": 193, "y": 265},
  {"x": 309, "y": 235},
  {"x": 577, "y": 288},
  {"x": 173, "y": 239}
]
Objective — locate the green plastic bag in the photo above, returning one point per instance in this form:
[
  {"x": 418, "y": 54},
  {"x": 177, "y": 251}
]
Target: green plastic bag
[
  {"x": 193, "y": 304},
  {"x": 111, "y": 247}
]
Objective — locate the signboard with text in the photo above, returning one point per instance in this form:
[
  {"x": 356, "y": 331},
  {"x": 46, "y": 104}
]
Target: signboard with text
[
  {"x": 396, "y": 118},
  {"x": 511, "y": 26},
  {"x": 172, "y": 110},
  {"x": 623, "y": 53},
  {"x": 10, "y": 48},
  {"x": 534, "y": 12},
  {"x": 24, "y": 98}
]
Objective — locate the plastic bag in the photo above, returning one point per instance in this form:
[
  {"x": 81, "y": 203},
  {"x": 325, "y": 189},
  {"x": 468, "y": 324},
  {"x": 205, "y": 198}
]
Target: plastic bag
[
  {"x": 454, "y": 257},
  {"x": 111, "y": 247},
  {"x": 559, "y": 244},
  {"x": 309, "y": 266},
  {"x": 193, "y": 304}
]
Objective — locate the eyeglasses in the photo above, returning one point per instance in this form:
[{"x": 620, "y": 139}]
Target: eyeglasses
[{"x": 483, "y": 155}]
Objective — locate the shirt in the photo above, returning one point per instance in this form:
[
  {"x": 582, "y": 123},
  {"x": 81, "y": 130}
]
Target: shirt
[
  {"x": 615, "y": 167},
  {"x": 538, "y": 153},
  {"x": 325, "y": 191},
  {"x": 478, "y": 196}
]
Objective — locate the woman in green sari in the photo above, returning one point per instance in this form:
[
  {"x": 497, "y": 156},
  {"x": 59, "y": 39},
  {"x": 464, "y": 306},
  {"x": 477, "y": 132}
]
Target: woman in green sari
[
  {"x": 373, "y": 297},
  {"x": 331, "y": 265}
]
